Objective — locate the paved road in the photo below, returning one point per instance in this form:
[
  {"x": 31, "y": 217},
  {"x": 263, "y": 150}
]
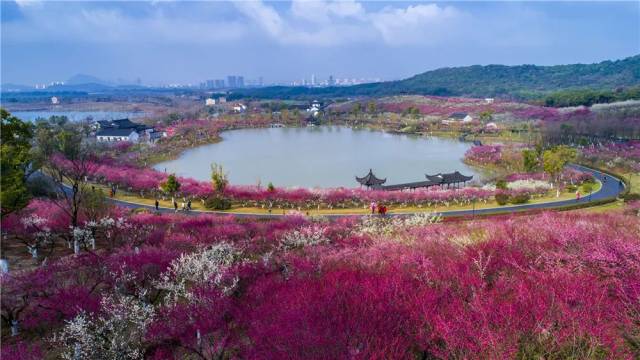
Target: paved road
[{"x": 611, "y": 188}]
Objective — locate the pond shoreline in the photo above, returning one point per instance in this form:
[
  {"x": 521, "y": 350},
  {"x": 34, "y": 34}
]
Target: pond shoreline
[{"x": 318, "y": 157}]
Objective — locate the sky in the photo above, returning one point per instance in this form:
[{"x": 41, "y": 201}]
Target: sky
[{"x": 164, "y": 42}]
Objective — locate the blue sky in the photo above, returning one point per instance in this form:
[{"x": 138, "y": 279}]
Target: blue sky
[{"x": 187, "y": 42}]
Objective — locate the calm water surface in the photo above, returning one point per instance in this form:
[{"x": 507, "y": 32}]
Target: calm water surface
[
  {"x": 320, "y": 157},
  {"x": 77, "y": 115}
]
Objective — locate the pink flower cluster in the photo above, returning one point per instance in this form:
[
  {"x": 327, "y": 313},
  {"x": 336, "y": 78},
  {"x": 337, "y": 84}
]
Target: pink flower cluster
[
  {"x": 570, "y": 175},
  {"x": 148, "y": 181},
  {"x": 624, "y": 155},
  {"x": 514, "y": 287},
  {"x": 527, "y": 176},
  {"x": 537, "y": 112},
  {"x": 213, "y": 127},
  {"x": 484, "y": 155}
]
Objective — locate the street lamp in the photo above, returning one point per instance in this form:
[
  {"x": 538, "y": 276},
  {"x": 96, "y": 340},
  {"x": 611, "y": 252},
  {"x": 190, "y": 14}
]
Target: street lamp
[{"x": 473, "y": 212}]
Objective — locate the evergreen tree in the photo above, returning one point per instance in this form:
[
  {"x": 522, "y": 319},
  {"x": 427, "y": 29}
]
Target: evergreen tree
[{"x": 16, "y": 160}]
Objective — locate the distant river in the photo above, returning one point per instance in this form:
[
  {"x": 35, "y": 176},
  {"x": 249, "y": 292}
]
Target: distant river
[
  {"x": 320, "y": 157},
  {"x": 77, "y": 115}
]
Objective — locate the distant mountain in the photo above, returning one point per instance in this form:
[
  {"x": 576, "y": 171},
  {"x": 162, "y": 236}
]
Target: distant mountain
[
  {"x": 521, "y": 81},
  {"x": 81, "y": 79},
  {"x": 8, "y": 87}
]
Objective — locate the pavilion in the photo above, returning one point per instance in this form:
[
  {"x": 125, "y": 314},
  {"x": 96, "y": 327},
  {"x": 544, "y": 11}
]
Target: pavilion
[
  {"x": 370, "y": 180},
  {"x": 454, "y": 178}
]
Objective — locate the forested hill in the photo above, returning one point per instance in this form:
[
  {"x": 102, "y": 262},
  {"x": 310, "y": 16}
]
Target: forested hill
[{"x": 521, "y": 81}]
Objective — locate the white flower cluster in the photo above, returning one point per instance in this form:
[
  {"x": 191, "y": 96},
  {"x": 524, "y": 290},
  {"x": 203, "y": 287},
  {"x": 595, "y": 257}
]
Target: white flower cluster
[
  {"x": 529, "y": 184},
  {"x": 421, "y": 219},
  {"x": 370, "y": 225},
  {"x": 386, "y": 226},
  {"x": 489, "y": 187},
  {"x": 210, "y": 265},
  {"x": 306, "y": 236},
  {"x": 82, "y": 235},
  {"x": 118, "y": 334},
  {"x": 33, "y": 221},
  {"x": 40, "y": 234},
  {"x": 107, "y": 224}
]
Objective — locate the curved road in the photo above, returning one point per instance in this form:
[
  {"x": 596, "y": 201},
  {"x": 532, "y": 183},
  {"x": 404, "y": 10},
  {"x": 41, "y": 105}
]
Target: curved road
[{"x": 611, "y": 188}]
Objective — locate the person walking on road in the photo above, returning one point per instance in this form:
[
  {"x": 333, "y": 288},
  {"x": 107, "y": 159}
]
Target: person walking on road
[
  {"x": 175, "y": 206},
  {"x": 578, "y": 195},
  {"x": 157, "y": 205}
]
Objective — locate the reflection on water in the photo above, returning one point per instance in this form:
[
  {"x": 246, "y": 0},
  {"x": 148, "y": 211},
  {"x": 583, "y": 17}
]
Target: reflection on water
[{"x": 320, "y": 157}]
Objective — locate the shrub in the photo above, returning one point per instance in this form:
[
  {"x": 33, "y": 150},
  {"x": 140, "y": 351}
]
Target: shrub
[
  {"x": 631, "y": 197},
  {"x": 217, "y": 203},
  {"x": 501, "y": 184},
  {"x": 39, "y": 186},
  {"x": 520, "y": 198},
  {"x": 587, "y": 187},
  {"x": 502, "y": 199},
  {"x": 571, "y": 188}
]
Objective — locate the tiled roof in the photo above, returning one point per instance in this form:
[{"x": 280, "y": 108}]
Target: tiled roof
[{"x": 115, "y": 132}]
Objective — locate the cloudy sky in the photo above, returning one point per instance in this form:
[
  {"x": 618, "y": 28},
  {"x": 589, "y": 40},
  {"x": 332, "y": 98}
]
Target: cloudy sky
[{"x": 187, "y": 42}]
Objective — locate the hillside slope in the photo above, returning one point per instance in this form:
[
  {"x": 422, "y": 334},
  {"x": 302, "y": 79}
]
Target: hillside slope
[{"x": 521, "y": 81}]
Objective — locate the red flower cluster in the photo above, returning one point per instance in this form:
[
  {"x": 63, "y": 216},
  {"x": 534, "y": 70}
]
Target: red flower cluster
[{"x": 544, "y": 285}]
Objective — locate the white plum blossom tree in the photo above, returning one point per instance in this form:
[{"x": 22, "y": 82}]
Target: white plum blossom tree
[
  {"x": 210, "y": 265},
  {"x": 305, "y": 236},
  {"x": 82, "y": 237},
  {"x": 116, "y": 334},
  {"x": 376, "y": 226},
  {"x": 39, "y": 234}
]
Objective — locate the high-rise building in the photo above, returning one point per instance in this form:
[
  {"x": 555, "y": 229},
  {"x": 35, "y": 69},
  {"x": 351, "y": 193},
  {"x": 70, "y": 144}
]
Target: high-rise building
[
  {"x": 219, "y": 83},
  {"x": 210, "y": 84},
  {"x": 260, "y": 81},
  {"x": 235, "y": 81},
  {"x": 313, "y": 79},
  {"x": 231, "y": 81},
  {"x": 331, "y": 81}
]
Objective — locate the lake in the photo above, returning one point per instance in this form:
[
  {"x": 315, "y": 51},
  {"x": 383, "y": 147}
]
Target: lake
[
  {"x": 77, "y": 115},
  {"x": 320, "y": 157}
]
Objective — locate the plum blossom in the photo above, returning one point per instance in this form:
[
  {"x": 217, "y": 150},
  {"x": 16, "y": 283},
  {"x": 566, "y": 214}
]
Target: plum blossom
[
  {"x": 306, "y": 236},
  {"x": 529, "y": 185},
  {"x": 39, "y": 233},
  {"x": 210, "y": 266},
  {"x": 83, "y": 237},
  {"x": 116, "y": 334}
]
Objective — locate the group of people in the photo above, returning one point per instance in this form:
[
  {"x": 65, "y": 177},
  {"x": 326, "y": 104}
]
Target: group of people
[
  {"x": 185, "y": 205},
  {"x": 381, "y": 208}
]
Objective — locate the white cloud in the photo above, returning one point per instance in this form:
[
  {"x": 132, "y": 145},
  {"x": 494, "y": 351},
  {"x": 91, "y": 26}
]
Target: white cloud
[
  {"x": 111, "y": 25},
  {"x": 316, "y": 23},
  {"x": 289, "y": 31},
  {"x": 328, "y": 23},
  {"x": 326, "y": 11},
  {"x": 27, "y": 3},
  {"x": 263, "y": 15},
  {"x": 419, "y": 24}
]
